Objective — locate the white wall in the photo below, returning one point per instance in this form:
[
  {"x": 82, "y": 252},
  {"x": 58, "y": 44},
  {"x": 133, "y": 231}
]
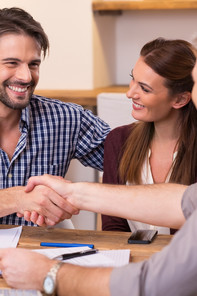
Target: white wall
[
  {"x": 135, "y": 28},
  {"x": 122, "y": 36}
]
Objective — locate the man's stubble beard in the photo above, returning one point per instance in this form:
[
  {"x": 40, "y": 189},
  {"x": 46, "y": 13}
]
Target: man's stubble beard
[{"x": 19, "y": 105}]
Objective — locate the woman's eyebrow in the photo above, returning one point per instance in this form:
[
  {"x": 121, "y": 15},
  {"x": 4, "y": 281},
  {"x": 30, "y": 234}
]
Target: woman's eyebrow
[
  {"x": 144, "y": 84},
  {"x": 141, "y": 83}
]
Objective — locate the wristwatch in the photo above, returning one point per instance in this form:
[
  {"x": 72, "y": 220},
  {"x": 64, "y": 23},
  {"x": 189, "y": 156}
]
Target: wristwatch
[{"x": 49, "y": 284}]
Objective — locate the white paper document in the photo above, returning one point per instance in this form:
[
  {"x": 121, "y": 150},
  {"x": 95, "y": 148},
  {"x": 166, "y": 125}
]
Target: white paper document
[
  {"x": 109, "y": 258},
  {"x": 9, "y": 237},
  {"x": 112, "y": 258}
]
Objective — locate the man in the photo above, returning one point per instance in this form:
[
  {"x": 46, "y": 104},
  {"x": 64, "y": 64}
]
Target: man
[
  {"x": 172, "y": 272},
  {"x": 38, "y": 135}
]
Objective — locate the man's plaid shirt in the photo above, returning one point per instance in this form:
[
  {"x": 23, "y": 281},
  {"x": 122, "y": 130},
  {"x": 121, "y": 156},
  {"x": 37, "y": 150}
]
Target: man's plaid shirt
[{"x": 52, "y": 133}]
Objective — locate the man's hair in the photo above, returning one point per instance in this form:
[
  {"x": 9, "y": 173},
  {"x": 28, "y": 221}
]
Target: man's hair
[{"x": 17, "y": 21}]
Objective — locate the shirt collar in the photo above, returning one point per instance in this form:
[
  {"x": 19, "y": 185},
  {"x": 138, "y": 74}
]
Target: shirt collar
[{"x": 25, "y": 117}]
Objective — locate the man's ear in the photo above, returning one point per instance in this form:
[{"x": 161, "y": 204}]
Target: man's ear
[{"x": 181, "y": 100}]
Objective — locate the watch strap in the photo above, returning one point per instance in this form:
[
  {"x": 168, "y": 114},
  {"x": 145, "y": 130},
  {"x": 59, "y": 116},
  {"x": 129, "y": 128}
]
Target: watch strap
[{"x": 53, "y": 274}]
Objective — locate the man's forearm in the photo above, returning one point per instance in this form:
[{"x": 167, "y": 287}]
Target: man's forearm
[
  {"x": 75, "y": 280},
  {"x": 158, "y": 204},
  {"x": 9, "y": 198}
]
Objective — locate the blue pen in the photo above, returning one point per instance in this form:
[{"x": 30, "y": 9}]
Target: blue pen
[{"x": 65, "y": 245}]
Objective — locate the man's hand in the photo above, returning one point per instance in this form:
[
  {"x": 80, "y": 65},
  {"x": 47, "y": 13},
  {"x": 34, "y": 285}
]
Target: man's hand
[
  {"x": 54, "y": 182},
  {"x": 19, "y": 269},
  {"x": 44, "y": 206}
]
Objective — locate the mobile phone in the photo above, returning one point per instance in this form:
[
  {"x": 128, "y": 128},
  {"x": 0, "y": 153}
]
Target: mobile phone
[{"x": 142, "y": 236}]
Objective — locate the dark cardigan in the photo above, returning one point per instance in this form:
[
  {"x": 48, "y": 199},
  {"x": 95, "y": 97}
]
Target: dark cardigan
[{"x": 112, "y": 154}]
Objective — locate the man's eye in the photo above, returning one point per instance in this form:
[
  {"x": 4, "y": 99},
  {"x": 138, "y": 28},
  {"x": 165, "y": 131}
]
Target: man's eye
[
  {"x": 34, "y": 65},
  {"x": 11, "y": 63}
]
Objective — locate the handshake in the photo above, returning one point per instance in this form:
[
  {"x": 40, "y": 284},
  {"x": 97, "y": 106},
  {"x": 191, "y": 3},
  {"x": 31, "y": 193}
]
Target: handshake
[{"x": 47, "y": 200}]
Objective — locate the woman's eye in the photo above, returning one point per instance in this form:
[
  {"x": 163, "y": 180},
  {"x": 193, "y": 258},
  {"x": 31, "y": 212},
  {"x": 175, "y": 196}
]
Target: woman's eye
[{"x": 145, "y": 89}]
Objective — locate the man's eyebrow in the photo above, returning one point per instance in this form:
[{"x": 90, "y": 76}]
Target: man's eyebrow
[
  {"x": 36, "y": 61},
  {"x": 10, "y": 59},
  {"x": 18, "y": 60}
]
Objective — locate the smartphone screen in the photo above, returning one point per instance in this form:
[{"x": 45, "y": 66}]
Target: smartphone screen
[{"x": 142, "y": 236}]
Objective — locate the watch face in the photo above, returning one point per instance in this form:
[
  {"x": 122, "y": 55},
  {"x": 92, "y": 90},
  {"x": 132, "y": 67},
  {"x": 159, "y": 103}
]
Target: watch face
[{"x": 49, "y": 285}]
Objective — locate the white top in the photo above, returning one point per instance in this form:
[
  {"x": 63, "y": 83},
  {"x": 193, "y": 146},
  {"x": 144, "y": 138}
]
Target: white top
[{"x": 147, "y": 178}]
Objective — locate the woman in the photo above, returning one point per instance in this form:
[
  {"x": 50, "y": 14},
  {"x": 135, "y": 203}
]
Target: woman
[{"x": 158, "y": 147}]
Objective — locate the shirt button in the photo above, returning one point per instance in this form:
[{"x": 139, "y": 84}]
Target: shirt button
[{"x": 9, "y": 175}]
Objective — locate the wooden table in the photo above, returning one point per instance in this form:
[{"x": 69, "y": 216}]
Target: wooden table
[
  {"x": 31, "y": 238},
  {"x": 102, "y": 240}
]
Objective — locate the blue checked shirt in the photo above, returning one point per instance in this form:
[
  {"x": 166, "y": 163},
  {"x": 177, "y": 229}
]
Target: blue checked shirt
[{"x": 52, "y": 133}]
